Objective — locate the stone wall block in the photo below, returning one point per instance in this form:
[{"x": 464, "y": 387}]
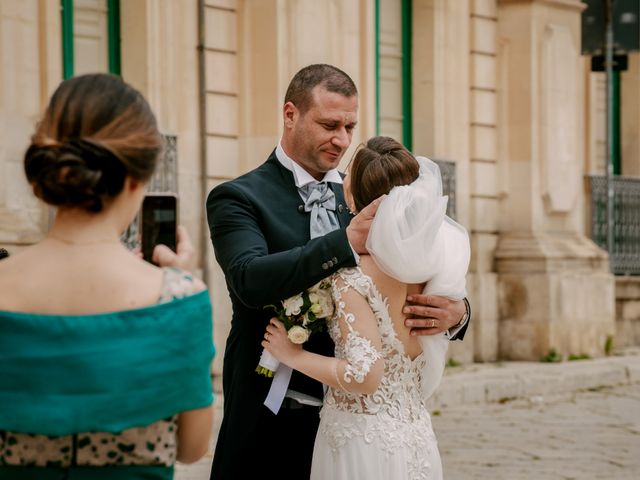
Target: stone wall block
[
  {"x": 482, "y": 294},
  {"x": 483, "y": 142},
  {"x": 222, "y": 157},
  {"x": 484, "y": 215},
  {"x": 483, "y": 179}
]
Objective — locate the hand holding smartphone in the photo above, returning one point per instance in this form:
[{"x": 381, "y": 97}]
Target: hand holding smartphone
[{"x": 159, "y": 222}]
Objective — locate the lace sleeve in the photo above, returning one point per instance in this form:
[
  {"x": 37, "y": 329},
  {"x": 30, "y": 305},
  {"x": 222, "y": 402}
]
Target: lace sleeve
[{"x": 360, "y": 364}]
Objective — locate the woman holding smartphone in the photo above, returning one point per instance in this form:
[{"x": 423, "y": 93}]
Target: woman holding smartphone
[{"x": 105, "y": 358}]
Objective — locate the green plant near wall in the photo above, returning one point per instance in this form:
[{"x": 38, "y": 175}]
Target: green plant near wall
[
  {"x": 608, "y": 345},
  {"x": 552, "y": 357},
  {"x": 580, "y": 356}
]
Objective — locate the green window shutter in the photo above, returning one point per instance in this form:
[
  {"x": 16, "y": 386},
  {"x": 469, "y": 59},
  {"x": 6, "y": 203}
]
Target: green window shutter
[
  {"x": 407, "y": 124},
  {"x": 406, "y": 75},
  {"x": 377, "y": 63},
  {"x": 66, "y": 9},
  {"x": 113, "y": 29},
  {"x": 616, "y": 146},
  {"x": 113, "y": 36}
]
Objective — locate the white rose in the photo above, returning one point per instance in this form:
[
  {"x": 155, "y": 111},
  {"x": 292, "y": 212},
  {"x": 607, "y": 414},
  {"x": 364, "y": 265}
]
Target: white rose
[
  {"x": 326, "y": 304},
  {"x": 293, "y": 305},
  {"x": 298, "y": 334},
  {"x": 315, "y": 300}
]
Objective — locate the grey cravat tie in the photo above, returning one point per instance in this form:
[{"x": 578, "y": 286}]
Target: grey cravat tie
[{"x": 320, "y": 200}]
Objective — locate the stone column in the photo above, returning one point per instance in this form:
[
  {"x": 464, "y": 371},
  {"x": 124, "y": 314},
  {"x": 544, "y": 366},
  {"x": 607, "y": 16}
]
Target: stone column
[{"x": 555, "y": 290}]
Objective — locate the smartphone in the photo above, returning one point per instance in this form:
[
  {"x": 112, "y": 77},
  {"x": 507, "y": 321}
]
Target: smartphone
[{"x": 159, "y": 222}]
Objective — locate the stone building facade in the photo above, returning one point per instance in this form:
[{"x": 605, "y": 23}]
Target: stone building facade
[{"x": 497, "y": 87}]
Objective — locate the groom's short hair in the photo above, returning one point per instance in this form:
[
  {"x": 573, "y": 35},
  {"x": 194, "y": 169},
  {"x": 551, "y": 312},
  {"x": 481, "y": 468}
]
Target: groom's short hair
[{"x": 331, "y": 78}]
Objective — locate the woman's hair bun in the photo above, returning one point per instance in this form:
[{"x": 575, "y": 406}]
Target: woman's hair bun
[
  {"x": 76, "y": 173},
  {"x": 96, "y": 131}
]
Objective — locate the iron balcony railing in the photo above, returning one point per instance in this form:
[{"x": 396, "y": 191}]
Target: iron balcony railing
[
  {"x": 624, "y": 256},
  {"x": 448, "y": 172}
]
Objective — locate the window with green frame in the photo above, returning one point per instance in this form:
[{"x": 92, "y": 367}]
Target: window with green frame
[
  {"x": 113, "y": 36},
  {"x": 405, "y": 34}
]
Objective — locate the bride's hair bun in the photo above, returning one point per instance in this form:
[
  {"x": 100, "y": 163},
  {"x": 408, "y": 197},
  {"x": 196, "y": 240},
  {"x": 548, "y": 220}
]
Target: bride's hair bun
[
  {"x": 78, "y": 173},
  {"x": 97, "y": 130},
  {"x": 377, "y": 167}
]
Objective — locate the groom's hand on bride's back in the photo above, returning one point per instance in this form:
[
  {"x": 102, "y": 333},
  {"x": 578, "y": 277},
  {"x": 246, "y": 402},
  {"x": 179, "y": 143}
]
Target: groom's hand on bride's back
[
  {"x": 358, "y": 229},
  {"x": 431, "y": 314}
]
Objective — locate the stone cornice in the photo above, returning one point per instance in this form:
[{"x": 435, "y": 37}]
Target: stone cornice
[
  {"x": 564, "y": 4},
  {"x": 549, "y": 252}
]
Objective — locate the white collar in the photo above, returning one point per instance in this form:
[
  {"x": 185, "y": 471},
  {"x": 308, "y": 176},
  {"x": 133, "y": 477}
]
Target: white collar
[{"x": 300, "y": 175}]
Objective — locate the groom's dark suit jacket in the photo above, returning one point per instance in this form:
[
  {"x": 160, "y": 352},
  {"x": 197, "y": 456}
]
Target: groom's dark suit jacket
[{"x": 261, "y": 239}]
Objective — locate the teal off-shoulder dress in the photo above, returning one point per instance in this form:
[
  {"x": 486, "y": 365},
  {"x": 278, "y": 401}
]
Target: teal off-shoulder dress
[{"x": 97, "y": 396}]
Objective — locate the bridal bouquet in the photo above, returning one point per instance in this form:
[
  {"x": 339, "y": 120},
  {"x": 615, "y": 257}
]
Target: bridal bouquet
[{"x": 301, "y": 315}]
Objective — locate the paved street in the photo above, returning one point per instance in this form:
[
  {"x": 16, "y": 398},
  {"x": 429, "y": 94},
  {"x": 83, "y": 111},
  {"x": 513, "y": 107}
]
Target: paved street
[
  {"x": 585, "y": 436},
  {"x": 530, "y": 420}
]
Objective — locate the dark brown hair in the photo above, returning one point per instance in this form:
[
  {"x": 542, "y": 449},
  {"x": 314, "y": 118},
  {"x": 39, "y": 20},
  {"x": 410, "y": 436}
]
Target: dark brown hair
[
  {"x": 331, "y": 78},
  {"x": 377, "y": 167},
  {"x": 96, "y": 131}
]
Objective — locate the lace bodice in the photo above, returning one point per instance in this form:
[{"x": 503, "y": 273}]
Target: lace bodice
[
  {"x": 399, "y": 394},
  {"x": 395, "y": 414}
]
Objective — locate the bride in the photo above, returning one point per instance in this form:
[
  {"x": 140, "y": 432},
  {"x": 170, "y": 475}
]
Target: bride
[{"x": 374, "y": 422}]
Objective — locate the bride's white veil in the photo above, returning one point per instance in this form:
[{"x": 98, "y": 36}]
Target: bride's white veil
[{"x": 412, "y": 240}]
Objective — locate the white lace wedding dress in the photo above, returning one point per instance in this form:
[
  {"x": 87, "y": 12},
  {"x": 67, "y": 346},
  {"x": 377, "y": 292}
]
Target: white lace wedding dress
[{"x": 386, "y": 435}]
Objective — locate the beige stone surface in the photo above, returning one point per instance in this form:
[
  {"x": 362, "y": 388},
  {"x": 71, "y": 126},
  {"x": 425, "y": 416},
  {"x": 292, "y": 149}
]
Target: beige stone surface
[
  {"x": 560, "y": 297},
  {"x": 223, "y": 157},
  {"x": 490, "y": 92},
  {"x": 483, "y": 246},
  {"x": 483, "y": 179},
  {"x": 222, "y": 72},
  {"x": 485, "y": 215},
  {"x": 484, "y": 31},
  {"x": 221, "y": 29},
  {"x": 483, "y": 142},
  {"x": 483, "y": 70},
  {"x": 485, "y": 8},
  {"x": 222, "y": 115},
  {"x": 627, "y": 311},
  {"x": 483, "y": 294},
  {"x": 483, "y": 107}
]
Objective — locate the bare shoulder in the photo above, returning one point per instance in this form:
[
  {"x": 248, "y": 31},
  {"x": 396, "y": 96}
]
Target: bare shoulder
[
  {"x": 16, "y": 271},
  {"x": 7, "y": 275},
  {"x": 370, "y": 268}
]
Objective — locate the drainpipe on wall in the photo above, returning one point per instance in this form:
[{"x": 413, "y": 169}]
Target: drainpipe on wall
[{"x": 202, "y": 94}]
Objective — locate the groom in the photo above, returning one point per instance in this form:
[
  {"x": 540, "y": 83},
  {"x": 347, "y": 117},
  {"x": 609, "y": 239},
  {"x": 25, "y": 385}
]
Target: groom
[{"x": 276, "y": 231}]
